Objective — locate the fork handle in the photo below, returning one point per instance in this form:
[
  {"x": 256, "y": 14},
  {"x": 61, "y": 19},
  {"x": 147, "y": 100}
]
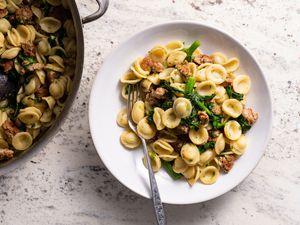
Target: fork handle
[{"x": 158, "y": 206}]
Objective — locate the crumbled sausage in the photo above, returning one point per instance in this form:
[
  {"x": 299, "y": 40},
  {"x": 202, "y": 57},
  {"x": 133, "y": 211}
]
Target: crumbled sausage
[
  {"x": 201, "y": 59},
  {"x": 6, "y": 154},
  {"x": 228, "y": 82},
  {"x": 216, "y": 109},
  {"x": 35, "y": 66},
  {"x": 184, "y": 68},
  {"x": 182, "y": 129},
  {"x": 154, "y": 97},
  {"x": 7, "y": 65},
  {"x": 151, "y": 100},
  {"x": 29, "y": 49},
  {"x": 3, "y": 13},
  {"x": 157, "y": 67},
  {"x": 24, "y": 14},
  {"x": 204, "y": 118},
  {"x": 177, "y": 145},
  {"x": 42, "y": 92},
  {"x": 10, "y": 128},
  {"x": 250, "y": 115},
  {"x": 214, "y": 133},
  {"x": 148, "y": 64},
  {"x": 226, "y": 162},
  {"x": 159, "y": 93},
  {"x": 51, "y": 76}
]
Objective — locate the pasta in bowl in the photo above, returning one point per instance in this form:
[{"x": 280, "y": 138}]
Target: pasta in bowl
[
  {"x": 109, "y": 95},
  {"x": 208, "y": 127}
]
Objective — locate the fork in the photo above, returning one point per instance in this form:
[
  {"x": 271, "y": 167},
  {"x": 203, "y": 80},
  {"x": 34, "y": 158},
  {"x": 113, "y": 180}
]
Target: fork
[{"x": 134, "y": 94}]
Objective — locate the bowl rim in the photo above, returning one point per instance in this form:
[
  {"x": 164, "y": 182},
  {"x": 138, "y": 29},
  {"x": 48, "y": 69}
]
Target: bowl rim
[{"x": 97, "y": 143}]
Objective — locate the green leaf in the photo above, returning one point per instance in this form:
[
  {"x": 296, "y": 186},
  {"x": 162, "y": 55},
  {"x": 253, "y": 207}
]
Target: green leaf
[
  {"x": 192, "y": 121},
  {"x": 168, "y": 167},
  {"x": 189, "y": 87},
  {"x": 150, "y": 116},
  {"x": 244, "y": 123},
  {"x": 189, "y": 51},
  {"x": 167, "y": 104},
  {"x": 232, "y": 94},
  {"x": 206, "y": 146}
]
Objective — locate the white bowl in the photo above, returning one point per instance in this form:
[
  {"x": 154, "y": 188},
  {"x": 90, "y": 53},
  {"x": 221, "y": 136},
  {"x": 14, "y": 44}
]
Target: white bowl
[{"x": 105, "y": 102}]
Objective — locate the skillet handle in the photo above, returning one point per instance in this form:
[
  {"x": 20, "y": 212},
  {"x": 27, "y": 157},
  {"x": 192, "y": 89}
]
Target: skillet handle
[{"x": 102, "y": 7}]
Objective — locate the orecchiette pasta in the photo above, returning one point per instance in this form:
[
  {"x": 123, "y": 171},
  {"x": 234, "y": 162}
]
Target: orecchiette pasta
[
  {"x": 241, "y": 84},
  {"x": 190, "y": 154},
  {"x": 130, "y": 78},
  {"x": 158, "y": 54},
  {"x": 176, "y": 57},
  {"x": 38, "y": 60},
  {"x": 179, "y": 165},
  {"x": 50, "y": 24},
  {"x": 232, "y": 107},
  {"x": 209, "y": 175},
  {"x": 232, "y": 130},
  {"x": 200, "y": 136},
  {"x": 189, "y": 172},
  {"x": 220, "y": 144},
  {"x": 129, "y": 139},
  {"x": 157, "y": 118},
  {"x": 216, "y": 73},
  {"x": 162, "y": 147},
  {"x": 206, "y": 157},
  {"x": 192, "y": 110},
  {"x": 182, "y": 107},
  {"x": 193, "y": 179},
  {"x": 22, "y": 141},
  {"x": 137, "y": 69},
  {"x": 219, "y": 57},
  {"x": 138, "y": 111},
  {"x": 170, "y": 119},
  {"x": 122, "y": 118},
  {"x": 174, "y": 45},
  {"x": 4, "y": 25},
  {"x": 146, "y": 130},
  {"x": 239, "y": 146},
  {"x": 166, "y": 74},
  {"x": 155, "y": 161},
  {"x": 206, "y": 88},
  {"x": 231, "y": 65}
]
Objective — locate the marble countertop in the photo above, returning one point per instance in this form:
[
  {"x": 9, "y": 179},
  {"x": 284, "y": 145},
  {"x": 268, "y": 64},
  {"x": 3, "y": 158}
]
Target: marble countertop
[{"x": 66, "y": 183}]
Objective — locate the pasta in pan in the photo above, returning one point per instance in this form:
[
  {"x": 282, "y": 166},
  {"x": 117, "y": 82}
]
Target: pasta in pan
[
  {"x": 192, "y": 113},
  {"x": 37, "y": 61}
]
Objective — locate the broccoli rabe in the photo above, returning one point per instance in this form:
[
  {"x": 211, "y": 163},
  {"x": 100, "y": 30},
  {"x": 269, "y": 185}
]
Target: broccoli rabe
[
  {"x": 206, "y": 146},
  {"x": 232, "y": 94},
  {"x": 192, "y": 121},
  {"x": 150, "y": 116},
  {"x": 168, "y": 167},
  {"x": 189, "y": 51},
  {"x": 244, "y": 123}
]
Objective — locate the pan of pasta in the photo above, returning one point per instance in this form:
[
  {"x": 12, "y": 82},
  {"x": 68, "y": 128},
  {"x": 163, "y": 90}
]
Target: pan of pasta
[
  {"x": 204, "y": 111},
  {"x": 41, "y": 61}
]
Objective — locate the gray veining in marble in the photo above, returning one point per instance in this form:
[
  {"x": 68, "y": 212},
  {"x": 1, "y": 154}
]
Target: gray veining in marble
[{"x": 66, "y": 183}]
